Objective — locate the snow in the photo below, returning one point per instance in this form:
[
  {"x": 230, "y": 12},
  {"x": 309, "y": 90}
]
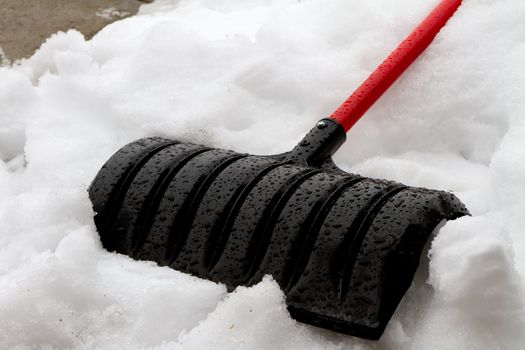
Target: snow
[
  {"x": 254, "y": 76},
  {"x": 110, "y": 13},
  {"x": 4, "y": 60}
]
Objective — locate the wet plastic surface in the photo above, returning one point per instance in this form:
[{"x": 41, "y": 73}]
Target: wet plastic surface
[{"x": 344, "y": 248}]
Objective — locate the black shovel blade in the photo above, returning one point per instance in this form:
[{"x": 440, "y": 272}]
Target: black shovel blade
[{"x": 343, "y": 248}]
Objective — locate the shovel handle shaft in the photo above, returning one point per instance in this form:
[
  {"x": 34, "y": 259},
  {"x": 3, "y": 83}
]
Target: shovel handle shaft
[{"x": 394, "y": 65}]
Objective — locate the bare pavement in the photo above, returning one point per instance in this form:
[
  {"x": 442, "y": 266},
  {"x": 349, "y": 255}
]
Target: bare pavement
[{"x": 25, "y": 24}]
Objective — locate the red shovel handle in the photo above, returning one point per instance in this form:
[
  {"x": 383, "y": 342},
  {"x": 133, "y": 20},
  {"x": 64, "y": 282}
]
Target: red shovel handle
[{"x": 394, "y": 65}]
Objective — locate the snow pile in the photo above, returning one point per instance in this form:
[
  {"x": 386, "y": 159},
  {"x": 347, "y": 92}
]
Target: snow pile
[{"x": 255, "y": 76}]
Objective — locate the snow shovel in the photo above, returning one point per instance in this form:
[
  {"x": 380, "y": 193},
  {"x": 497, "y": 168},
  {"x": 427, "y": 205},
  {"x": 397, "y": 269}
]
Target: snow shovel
[{"x": 343, "y": 248}]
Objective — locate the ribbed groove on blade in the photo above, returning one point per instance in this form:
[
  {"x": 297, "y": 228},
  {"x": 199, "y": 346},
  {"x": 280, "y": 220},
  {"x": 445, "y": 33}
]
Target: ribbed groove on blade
[
  {"x": 114, "y": 170},
  {"x": 217, "y": 241},
  {"x": 192, "y": 204},
  {"x": 311, "y": 228},
  {"x": 361, "y": 227},
  {"x": 153, "y": 199},
  {"x": 263, "y": 232},
  {"x": 119, "y": 193}
]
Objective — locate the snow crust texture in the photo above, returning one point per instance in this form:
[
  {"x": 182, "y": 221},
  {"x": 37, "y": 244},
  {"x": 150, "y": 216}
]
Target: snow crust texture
[{"x": 254, "y": 76}]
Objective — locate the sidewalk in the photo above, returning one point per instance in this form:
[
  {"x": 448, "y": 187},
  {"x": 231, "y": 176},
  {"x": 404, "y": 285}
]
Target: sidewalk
[{"x": 25, "y": 24}]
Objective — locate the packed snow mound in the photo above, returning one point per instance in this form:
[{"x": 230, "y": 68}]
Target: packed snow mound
[{"x": 254, "y": 76}]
